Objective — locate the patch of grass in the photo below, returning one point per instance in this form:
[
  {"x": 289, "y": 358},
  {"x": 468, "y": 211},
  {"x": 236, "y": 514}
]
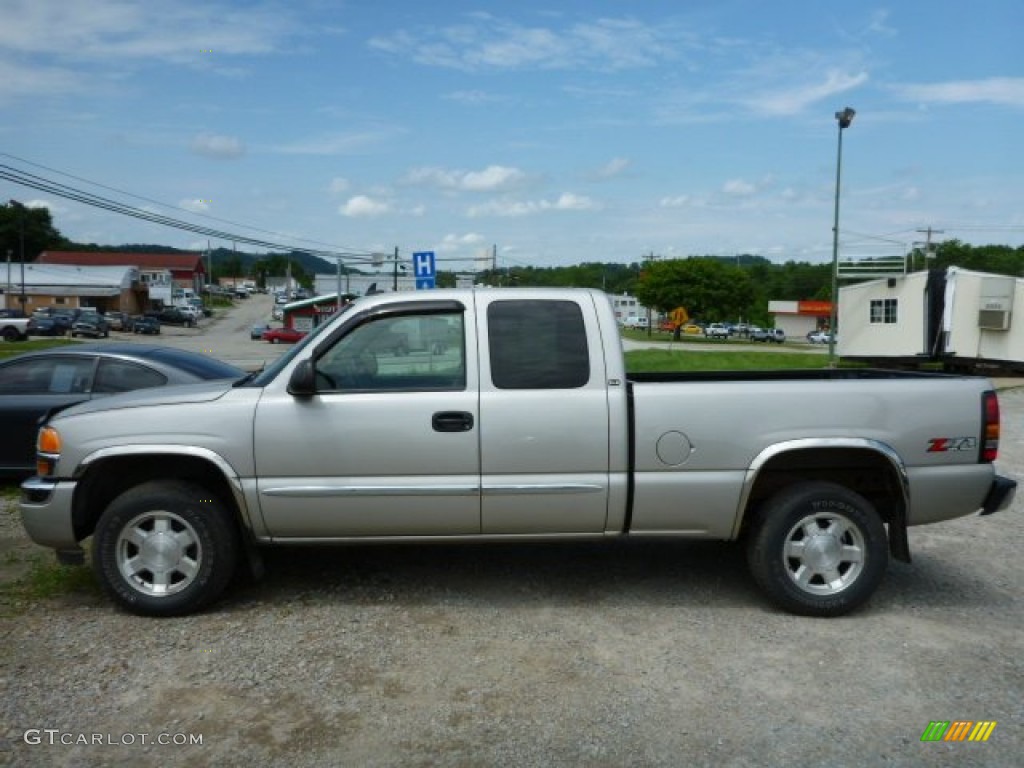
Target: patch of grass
[
  {"x": 665, "y": 360},
  {"x": 9, "y": 348},
  {"x": 10, "y": 491},
  {"x": 46, "y": 579}
]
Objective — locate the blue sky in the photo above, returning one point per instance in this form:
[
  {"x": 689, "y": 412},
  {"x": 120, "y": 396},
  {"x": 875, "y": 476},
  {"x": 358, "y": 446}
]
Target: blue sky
[{"x": 555, "y": 133}]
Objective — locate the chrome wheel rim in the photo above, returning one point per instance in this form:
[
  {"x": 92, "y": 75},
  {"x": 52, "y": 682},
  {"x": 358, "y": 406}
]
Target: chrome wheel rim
[
  {"x": 159, "y": 554},
  {"x": 824, "y": 554}
]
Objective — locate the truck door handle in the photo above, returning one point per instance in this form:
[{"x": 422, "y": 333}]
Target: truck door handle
[{"x": 452, "y": 421}]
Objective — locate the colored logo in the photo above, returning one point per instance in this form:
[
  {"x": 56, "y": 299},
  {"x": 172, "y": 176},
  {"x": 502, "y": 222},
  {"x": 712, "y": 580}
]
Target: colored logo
[{"x": 958, "y": 730}]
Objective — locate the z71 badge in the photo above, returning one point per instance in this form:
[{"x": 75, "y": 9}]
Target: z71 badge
[{"x": 946, "y": 444}]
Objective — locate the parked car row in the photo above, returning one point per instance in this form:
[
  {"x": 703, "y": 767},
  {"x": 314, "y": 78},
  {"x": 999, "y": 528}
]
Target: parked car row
[{"x": 61, "y": 321}]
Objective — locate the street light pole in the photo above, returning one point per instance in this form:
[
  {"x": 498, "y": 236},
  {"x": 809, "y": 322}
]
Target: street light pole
[{"x": 844, "y": 118}]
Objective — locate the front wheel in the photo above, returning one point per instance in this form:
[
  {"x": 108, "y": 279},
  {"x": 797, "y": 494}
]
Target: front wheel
[
  {"x": 165, "y": 548},
  {"x": 818, "y": 549}
]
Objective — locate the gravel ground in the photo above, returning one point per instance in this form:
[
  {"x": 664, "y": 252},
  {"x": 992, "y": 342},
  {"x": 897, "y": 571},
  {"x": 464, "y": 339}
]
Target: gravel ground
[{"x": 620, "y": 654}]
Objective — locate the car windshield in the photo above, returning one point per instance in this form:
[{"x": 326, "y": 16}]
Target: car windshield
[{"x": 268, "y": 374}]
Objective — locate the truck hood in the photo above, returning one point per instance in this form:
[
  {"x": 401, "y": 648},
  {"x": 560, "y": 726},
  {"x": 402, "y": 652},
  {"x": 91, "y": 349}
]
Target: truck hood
[{"x": 173, "y": 394}]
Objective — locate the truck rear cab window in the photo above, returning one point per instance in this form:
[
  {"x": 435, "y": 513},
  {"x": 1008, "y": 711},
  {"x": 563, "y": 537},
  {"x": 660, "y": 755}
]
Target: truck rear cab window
[{"x": 538, "y": 344}]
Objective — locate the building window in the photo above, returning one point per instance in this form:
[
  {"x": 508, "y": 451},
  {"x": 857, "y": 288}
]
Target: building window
[{"x": 884, "y": 311}]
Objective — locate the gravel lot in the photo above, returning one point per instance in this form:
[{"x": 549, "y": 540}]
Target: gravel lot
[{"x": 622, "y": 654}]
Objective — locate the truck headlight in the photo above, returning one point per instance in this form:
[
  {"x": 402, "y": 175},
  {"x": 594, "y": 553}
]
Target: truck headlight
[{"x": 47, "y": 451}]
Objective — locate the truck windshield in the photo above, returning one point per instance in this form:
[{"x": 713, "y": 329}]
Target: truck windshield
[{"x": 267, "y": 375}]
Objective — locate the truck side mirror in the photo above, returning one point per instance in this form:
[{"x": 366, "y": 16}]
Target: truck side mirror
[{"x": 303, "y": 380}]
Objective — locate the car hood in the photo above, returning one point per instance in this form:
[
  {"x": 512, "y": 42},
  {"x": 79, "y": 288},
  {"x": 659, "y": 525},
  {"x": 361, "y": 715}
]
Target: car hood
[{"x": 172, "y": 394}]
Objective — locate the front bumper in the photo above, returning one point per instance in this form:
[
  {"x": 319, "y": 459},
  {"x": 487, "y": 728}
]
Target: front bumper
[
  {"x": 1000, "y": 495},
  {"x": 46, "y": 514}
]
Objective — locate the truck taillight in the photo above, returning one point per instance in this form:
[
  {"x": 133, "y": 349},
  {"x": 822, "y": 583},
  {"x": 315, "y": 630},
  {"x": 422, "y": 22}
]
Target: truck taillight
[{"x": 989, "y": 427}]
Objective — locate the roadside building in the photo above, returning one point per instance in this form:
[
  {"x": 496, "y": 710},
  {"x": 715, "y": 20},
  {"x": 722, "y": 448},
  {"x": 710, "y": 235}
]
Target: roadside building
[
  {"x": 306, "y": 314},
  {"x": 187, "y": 270},
  {"x": 964, "y": 319},
  {"x": 798, "y": 318},
  {"x": 627, "y": 307},
  {"x": 106, "y": 288}
]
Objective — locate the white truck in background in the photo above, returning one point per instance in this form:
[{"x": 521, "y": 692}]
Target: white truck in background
[{"x": 13, "y": 328}]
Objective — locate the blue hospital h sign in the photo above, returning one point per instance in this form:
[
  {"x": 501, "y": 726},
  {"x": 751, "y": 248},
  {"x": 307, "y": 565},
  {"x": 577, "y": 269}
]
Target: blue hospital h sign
[{"x": 423, "y": 269}]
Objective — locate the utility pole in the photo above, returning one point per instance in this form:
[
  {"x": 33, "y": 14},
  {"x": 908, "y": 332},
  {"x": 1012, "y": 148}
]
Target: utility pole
[{"x": 928, "y": 242}]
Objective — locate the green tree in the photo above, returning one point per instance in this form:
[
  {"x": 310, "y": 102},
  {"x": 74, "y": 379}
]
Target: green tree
[
  {"x": 707, "y": 287},
  {"x": 37, "y": 225}
]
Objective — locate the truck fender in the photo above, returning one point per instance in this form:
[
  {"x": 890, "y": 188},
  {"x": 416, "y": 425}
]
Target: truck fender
[
  {"x": 222, "y": 465},
  {"x": 899, "y": 546}
]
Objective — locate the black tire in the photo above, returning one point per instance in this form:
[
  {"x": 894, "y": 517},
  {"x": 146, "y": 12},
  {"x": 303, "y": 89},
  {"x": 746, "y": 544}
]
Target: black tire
[
  {"x": 165, "y": 548},
  {"x": 11, "y": 334},
  {"x": 843, "y": 567}
]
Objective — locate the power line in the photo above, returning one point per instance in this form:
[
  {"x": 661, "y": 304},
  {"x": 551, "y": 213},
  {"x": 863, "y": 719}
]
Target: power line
[{"x": 333, "y": 247}]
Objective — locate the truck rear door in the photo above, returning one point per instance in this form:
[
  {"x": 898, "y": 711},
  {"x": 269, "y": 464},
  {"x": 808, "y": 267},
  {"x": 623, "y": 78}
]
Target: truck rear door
[{"x": 544, "y": 417}]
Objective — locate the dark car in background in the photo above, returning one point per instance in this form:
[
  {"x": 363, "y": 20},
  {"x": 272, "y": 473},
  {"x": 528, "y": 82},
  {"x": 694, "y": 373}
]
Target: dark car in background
[
  {"x": 52, "y": 321},
  {"x": 175, "y": 316},
  {"x": 91, "y": 324},
  {"x": 144, "y": 324},
  {"x": 118, "y": 321},
  {"x": 34, "y": 383}
]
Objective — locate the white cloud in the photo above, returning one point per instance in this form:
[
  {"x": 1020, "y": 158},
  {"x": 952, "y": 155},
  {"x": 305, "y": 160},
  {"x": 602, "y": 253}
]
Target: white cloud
[
  {"x": 211, "y": 145},
  {"x": 473, "y": 97},
  {"x": 493, "y": 178},
  {"x": 195, "y": 205},
  {"x": 110, "y": 30},
  {"x": 879, "y": 25},
  {"x": 17, "y": 80},
  {"x": 362, "y": 206},
  {"x": 338, "y": 185},
  {"x": 484, "y": 41},
  {"x": 679, "y": 201},
  {"x": 510, "y": 208},
  {"x": 1008, "y": 91},
  {"x": 335, "y": 144},
  {"x": 614, "y": 168},
  {"x": 792, "y": 100},
  {"x": 739, "y": 188},
  {"x": 452, "y": 243}
]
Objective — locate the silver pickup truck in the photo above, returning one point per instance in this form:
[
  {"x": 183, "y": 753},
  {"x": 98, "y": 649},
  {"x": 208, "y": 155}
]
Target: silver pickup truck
[{"x": 497, "y": 415}]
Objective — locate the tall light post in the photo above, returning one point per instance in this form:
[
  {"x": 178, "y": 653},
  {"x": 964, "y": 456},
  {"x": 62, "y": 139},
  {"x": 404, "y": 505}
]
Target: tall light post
[{"x": 844, "y": 118}]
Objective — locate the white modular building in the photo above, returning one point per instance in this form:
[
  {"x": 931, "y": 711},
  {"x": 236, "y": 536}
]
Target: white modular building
[{"x": 964, "y": 319}]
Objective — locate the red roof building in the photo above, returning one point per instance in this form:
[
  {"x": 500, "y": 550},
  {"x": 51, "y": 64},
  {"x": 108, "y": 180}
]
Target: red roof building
[{"x": 188, "y": 270}]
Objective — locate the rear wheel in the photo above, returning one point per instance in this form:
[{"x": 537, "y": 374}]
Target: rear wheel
[
  {"x": 165, "y": 548},
  {"x": 818, "y": 549}
]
